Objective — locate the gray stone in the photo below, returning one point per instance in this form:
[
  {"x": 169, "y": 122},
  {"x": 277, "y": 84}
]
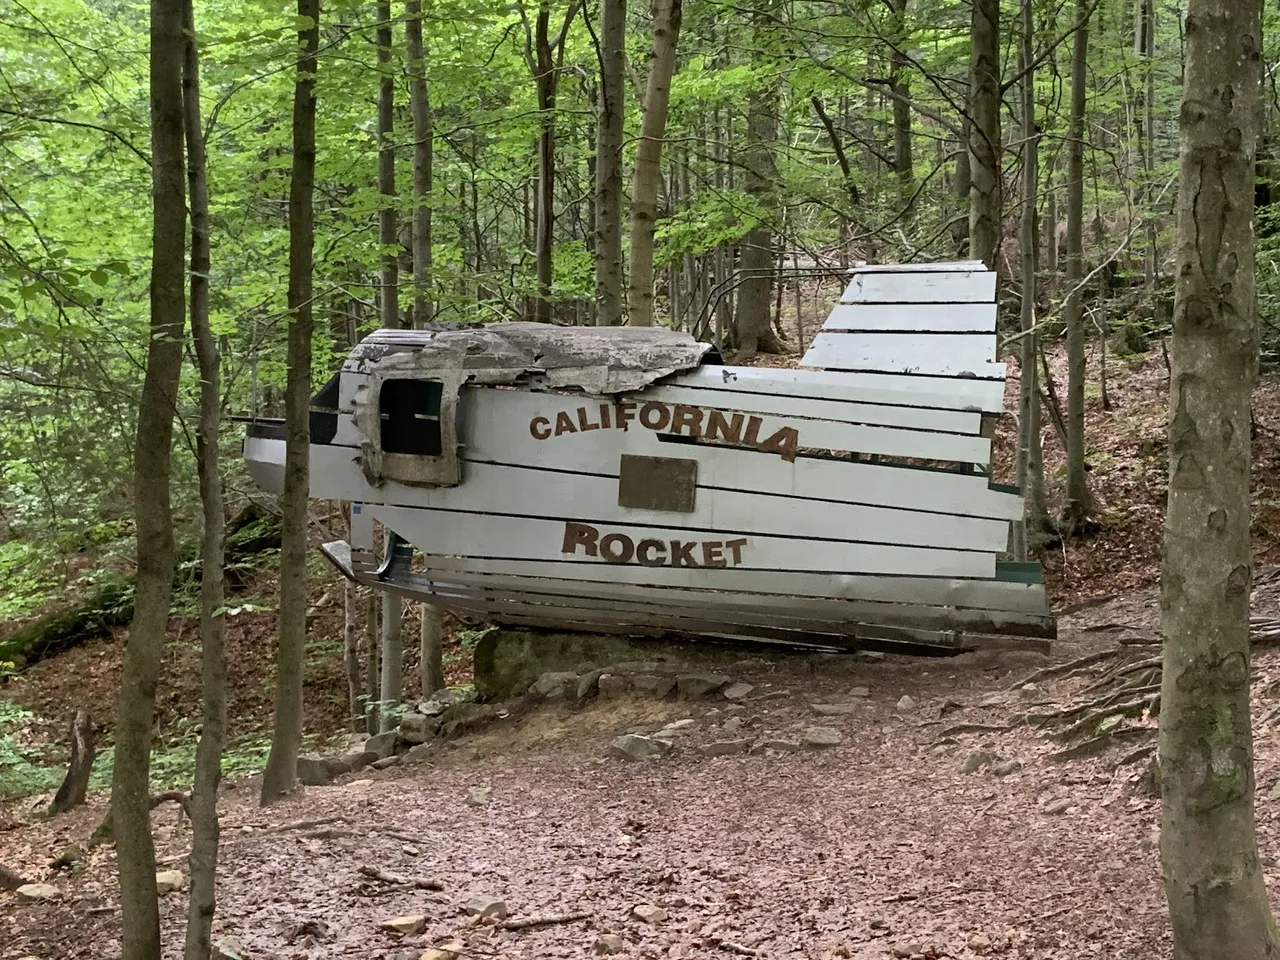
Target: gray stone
[
  {"x": 634, "y": 746},
  {"x": 313, "y": 770},
  {"x": 351, "y": 761},
  {"x": 909, "y": 948},
  {"x": 676, "y": 725},
  {"x": 461, "y": 717},
  {"x": 419, "y": 753},
  {"x": 977, "y": 760},
  {"x": 612, "y": 686},
  {"x": 693, "y": 685},
  {"x": 387, "y": 762},
  {"x": 587, "y": 666},
  {"x": 608, "y": 943},
  {"x": 417, "y": 727},
  {"x": 738, "y": 691},
  {"x": 37, "y": 892},
  {"x": 554, "y": 684},
  {"x": 860, "y": 692},
  {"x": 1005, "y": 767},
  {"x": 405, "y": 926},
  {"x": 479, "y": 796},
  {"x": 979, "y": 943},
  {"x": 724, "y": 748},
  {"x": 906, "y": 705},
  {"x": 383, "y": 744},
  {"x": 1031, "y": 690},
  {"x": 629, "y": 668},
  {"x": 169, "y": 881},
  {"x": 822, "y": 737},
  {"x": 648, "y": 913},
  {"x": 994, "y": 700},
  {"x": 438, "y": 703},
  {"x": 653, "y": 684},
  {"x": 227, "y": 948},
  {"x": 588, "y": 684},
  {"x": 835, "y": 709},
  {"x": 732, "y": 725},
  {"x": 872, "y": 656},
  {"x": 1055, "y": 807},
  {"x": 1274, "y": 794},
  {"x": 486, "y": 908},
  {"x": 781, "y": 746}
]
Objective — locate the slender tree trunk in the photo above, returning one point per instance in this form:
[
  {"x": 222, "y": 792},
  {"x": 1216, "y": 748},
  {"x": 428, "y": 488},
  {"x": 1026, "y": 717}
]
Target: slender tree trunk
[
  {"x": 752, "y": 329},
  {"x": 130, "y": 788},
  {"x": 1152, "y": 260},
  {"x": 1077, "y": 506},
  {"x": 432, "y": 649},
  {"x": 282, "y": 762},
  {"x": 1050, "y": 221},
  {"x": 646, "y": 180},
  {"x": 389, "y": 316},
  {"x": 962, "y": 186},
  {"x": 544, "y": 241},
  {"x": 203, "y": 860},
  {"x": 1035, "y": 520},
  {"x": 613, "y": 100},
  {"x": 899, "y": 72},
  {"x": 420, "y": 104},
  {"x": 1213, "y": 879},
  {"x": 351, "y": 610},
  {"x": 984, "y": 133},
  {"x": 373, "y": 673}
]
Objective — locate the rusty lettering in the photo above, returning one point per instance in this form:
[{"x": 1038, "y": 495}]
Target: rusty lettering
[
  {"x": 682, "y": 553},
  {"x": 655, "y": 416},
  {"x": 718, "y": 428},
  {"x": 564, "y": 424},
  {"x": 712, "y": 553},
  {"x": 583, "y": 423},
  {"x": 580, "y": 535},
  {"x": 735, "y": 547},
  {"x": 626, "y": 413},
  {"x": 752, "y": 437},
  {"x": 686, "y": 416},
  {"x": 617, "y": 548},
  {"x": 604, "y": 416},
  {"x": 540, "y": 428},
  {"x": 785, "y": 443},
  {"x": 651, "y": 553}
]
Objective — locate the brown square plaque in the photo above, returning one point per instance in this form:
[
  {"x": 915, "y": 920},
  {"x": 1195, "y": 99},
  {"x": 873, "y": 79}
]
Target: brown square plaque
[{"x": 658, "y": 483}]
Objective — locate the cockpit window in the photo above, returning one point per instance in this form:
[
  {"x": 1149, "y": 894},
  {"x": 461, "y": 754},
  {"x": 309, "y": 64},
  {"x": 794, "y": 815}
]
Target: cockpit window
[{"x": 410, "y": 414}]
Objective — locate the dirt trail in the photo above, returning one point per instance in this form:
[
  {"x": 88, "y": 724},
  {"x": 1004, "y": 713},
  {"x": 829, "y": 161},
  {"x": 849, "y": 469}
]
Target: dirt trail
[{"x": 878, "y": 845}]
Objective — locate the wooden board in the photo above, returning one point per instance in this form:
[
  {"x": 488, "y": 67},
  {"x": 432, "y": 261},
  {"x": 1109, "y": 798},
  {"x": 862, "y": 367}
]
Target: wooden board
[
  {"x": 867, "y": 414},
  {"x": 914, "y": 318},
  {"x": 523, "y": 538},
  {"x": 591, "y": 498},
  {"x": 878, "y": 388},
  {"x": 814, "y": 610},
  {"x": 931, "y": 354},
  {"x": 498, "y": 431},
  {"x": 921, "y": 286},
  {"x": 976, "y": 595}
]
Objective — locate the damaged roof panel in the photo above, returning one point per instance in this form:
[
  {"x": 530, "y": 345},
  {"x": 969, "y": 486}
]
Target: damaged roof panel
[{"x": 598, "y": 360}]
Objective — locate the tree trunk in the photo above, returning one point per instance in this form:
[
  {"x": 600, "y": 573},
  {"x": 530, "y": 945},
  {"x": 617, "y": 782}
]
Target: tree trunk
[
  {"x": 961, "y": 188},
  {"x": 432, "y": 649},
  {"x": 1152, "y": 260},
  {"x": 1213, "y": 880},
  {"x": 202, "y": 862},
  {"x": 76, "y": 783},
  {"x": 372, "y": 676},
  {"x": 420, "y": 104},
  {"x": 282, "y": 762},
  {"x": 1050, "y": 221},
  {"x": 544, "y": 240},
  {"x": 1077, "y": 506},
  {"x": 646, "y": 179},
  {"x": 899, "y": 72},
  {"x": 352, "y": 608},
  {"x": 752, "y": 330},
  {"x": 130, "y": 784},
  {"x": 609, "y": 135},
  {"x": 984, "y": 133}
]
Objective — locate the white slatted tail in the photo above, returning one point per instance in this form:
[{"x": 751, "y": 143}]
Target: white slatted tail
[
  {"x": 913, "y": 317},
  {"x": 932, "y": 354},
  {"x": 930, "y": 286}
]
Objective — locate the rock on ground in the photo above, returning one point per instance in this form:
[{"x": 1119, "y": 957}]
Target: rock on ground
[
  {"x": 36, "y": 892},
  {"x": 608, "y": 943},
  {"x": 313, "y": 770},
  {"x": 554, "y": 684},
  {"x": 634, "y": 746},
  {"x": 648, "y": 913},
  {"x": 977, "y": 760},
  {"x": 383, "y": 745},
  {"x": 738, "y": 691},
  {"x": 724, "y": 748},
  {"x": 479, "y": 796},
  {"x": 822, "y": 737},
  {"x": 487, "y": 908},
  {"x": 693, "y": 685},
  {"x": 168, "y": 881},
  {"x": 405, "y": 926}
]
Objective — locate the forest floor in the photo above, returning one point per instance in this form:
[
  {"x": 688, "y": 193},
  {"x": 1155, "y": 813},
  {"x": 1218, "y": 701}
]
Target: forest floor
[{"x": 882, "y": 846}]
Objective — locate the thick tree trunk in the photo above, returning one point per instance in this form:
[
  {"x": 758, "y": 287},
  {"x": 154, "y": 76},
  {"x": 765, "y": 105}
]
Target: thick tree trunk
[
  {"x": 420, "y": 104},
  {"x": 130, "y": 786},
  {"x": 282, "y": 762},
  {"x": 1077, "y": 505},
  {"x": 1213, "y": 880},
  {"x": 613, "y": 100},
  {"x": 544, "y": 239},
  {"x": 646, "y": 179},
  {"x": 752, "y": 329},
  {"x": 202, "y": 862},
  {"x": 984, "y": 133}
]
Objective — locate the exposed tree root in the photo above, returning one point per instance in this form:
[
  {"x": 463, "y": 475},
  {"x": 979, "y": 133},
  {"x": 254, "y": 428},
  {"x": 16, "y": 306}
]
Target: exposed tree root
[
  {"x": 420, "y": 883},
  {"x": 530, "y": 923}
]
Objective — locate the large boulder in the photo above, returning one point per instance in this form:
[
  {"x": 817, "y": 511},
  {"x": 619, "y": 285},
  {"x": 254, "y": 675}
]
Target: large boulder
[
  {"x": 416, "y": 727},
  {"x": 314, "y": 770}
]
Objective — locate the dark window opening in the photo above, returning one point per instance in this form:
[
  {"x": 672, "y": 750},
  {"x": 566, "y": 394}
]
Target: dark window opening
[
  {"x": 410, "y": 412},
  {"x": 324, "y": 412}
]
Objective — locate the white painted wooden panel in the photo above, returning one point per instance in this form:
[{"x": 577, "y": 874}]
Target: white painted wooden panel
[
  {"x": 520, "y": 491},
  {"x": 927, "y": 286},
  {"x": 497, "y": 431},
  {"x": 522, "y": 538},
  {"x": 920, "y": 318},
  {"x": 635, "y": 596},
  {"x": 953, "y": 394},
  {"x": 932, "y": 354},
  {"x": 912, "y": 418},
  {"x": 996, "y": 595}
]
